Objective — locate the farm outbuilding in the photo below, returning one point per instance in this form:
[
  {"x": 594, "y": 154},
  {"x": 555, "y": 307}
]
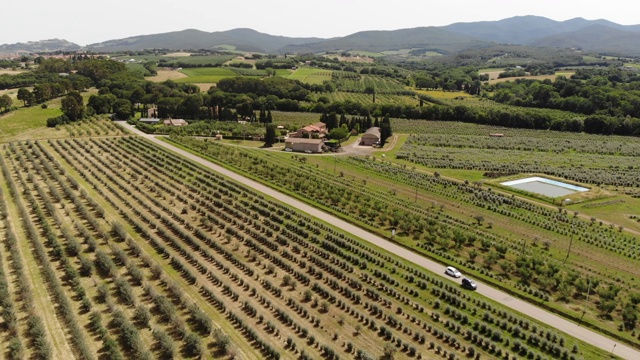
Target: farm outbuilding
[
  {"x": 370, "y": 137},
  {"x": 304, "y": 145},
  {"x": 175, "y": 122}
]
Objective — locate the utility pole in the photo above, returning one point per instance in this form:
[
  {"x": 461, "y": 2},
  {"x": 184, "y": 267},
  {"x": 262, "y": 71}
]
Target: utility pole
[
  {"x": 584, "y": 310},
  {"x": 569, "y": 249}
]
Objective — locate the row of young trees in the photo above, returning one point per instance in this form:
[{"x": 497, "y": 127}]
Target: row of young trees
[{"x": 441, "y": 233}]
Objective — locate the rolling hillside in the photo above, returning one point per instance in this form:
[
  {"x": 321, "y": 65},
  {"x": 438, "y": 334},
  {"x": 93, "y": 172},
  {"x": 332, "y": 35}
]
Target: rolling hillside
[
  {"x": 528, "y": 30},
  {"x": 595, "y": 35},
  {"x": 599, "y": 38},
  {"x": 242, "y": 39},
  {"x": 432, "y": 38}
]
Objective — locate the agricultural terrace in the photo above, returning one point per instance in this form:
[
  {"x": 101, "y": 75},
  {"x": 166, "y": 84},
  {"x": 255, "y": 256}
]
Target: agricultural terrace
[
  {"x": 114, "y": 247},
  {"x": 542, "y": 253}
]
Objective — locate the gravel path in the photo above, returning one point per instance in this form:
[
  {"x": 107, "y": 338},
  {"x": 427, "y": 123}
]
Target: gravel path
[{"x": 539, "y": 314}]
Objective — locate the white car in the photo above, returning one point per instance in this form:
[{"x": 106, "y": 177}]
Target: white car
[
  {"x": 451, "y": 271},
  {"x": 288, "y": 149}
]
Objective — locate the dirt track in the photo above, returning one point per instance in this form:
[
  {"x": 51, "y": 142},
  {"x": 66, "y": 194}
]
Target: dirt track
[{"x": 541, "y": 315}]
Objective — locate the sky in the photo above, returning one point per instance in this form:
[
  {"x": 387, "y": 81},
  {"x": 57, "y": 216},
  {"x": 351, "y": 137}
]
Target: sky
[{"x": 86, "y": 22}]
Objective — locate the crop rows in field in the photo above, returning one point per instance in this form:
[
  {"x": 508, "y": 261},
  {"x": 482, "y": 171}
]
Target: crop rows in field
[
  {"x": 360, "y": 98},
  {"x": 96, "y": 127},
  {"x": 310, "y": 76},
  {"x": 581, "y": 140},
  {"x": 589, "y": 159},
  {"x": 212, "y": 128},
  {"x": 249, "y": 72},
  {"x": 155, "y": 253},
  {"x": 487, "y": 104},
  {"x": 327, "y": 251},
  {"x": 361, "y": 83},
  {"x": 458, "y": 239}
]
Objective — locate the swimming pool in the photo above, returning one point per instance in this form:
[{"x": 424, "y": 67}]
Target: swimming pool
[{"x": 544, "y": 186}]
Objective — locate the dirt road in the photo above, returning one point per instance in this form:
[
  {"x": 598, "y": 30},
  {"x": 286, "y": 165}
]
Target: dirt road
[{"x": 541, "y": 315}]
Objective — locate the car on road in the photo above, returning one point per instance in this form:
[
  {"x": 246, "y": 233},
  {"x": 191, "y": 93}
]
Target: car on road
[
  {"x": 288, "y": 149},
  {"x": 308, "y": 151},
  {"x": 451, "y": 271},
  {"x": 469, "y": 284}
]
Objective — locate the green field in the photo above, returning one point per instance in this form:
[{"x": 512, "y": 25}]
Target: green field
[
  {"x": 26, "y": 121},
  {"x": 206, "y": 75}
]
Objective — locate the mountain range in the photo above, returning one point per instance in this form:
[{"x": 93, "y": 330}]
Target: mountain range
[{"x": 600, "y": 36}]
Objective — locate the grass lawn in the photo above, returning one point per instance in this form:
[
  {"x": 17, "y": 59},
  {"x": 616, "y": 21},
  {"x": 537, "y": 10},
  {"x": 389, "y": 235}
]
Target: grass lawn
[{"x": 27, "y": 120}]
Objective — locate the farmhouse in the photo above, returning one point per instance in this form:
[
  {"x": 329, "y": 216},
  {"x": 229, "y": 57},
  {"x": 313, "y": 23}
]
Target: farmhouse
[
  {"x": 313, "y": 131},
  {"x": 370, "y": 137},
  {"x": 304, "y": 145}
]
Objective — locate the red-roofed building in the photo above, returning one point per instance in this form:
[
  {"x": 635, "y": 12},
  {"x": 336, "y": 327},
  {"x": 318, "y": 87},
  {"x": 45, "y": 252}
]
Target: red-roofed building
[{"x": 313, "y": 131}]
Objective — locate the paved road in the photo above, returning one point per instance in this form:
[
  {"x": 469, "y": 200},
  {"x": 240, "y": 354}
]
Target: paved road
[{"x": 541, "y": 315}]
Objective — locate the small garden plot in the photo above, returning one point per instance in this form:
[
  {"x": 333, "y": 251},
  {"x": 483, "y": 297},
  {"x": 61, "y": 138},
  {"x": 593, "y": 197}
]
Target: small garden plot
[{"x": 544, "y": 186}]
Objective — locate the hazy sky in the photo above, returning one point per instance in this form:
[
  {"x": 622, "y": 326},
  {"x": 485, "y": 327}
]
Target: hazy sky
[{"x": 86, "y": 22}]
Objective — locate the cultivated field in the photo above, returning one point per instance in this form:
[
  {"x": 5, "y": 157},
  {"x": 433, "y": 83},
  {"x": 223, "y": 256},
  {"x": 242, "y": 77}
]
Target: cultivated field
[
  {"x": 493, "y": 75},
  {"x": 535, "y": 250},
  {"x": 368, "y": 98},
  {"x": 310, "y": 75},
  {"x": 206, "y": 75},
  {"x": 167, "y": 74},
  {"x": 115, "y": 248}
]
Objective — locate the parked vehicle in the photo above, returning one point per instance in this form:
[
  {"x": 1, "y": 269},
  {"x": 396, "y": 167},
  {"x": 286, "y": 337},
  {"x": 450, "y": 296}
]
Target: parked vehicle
[
  {"x": 469, "y": 284},
  {"x": 451, "y": 271}
]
